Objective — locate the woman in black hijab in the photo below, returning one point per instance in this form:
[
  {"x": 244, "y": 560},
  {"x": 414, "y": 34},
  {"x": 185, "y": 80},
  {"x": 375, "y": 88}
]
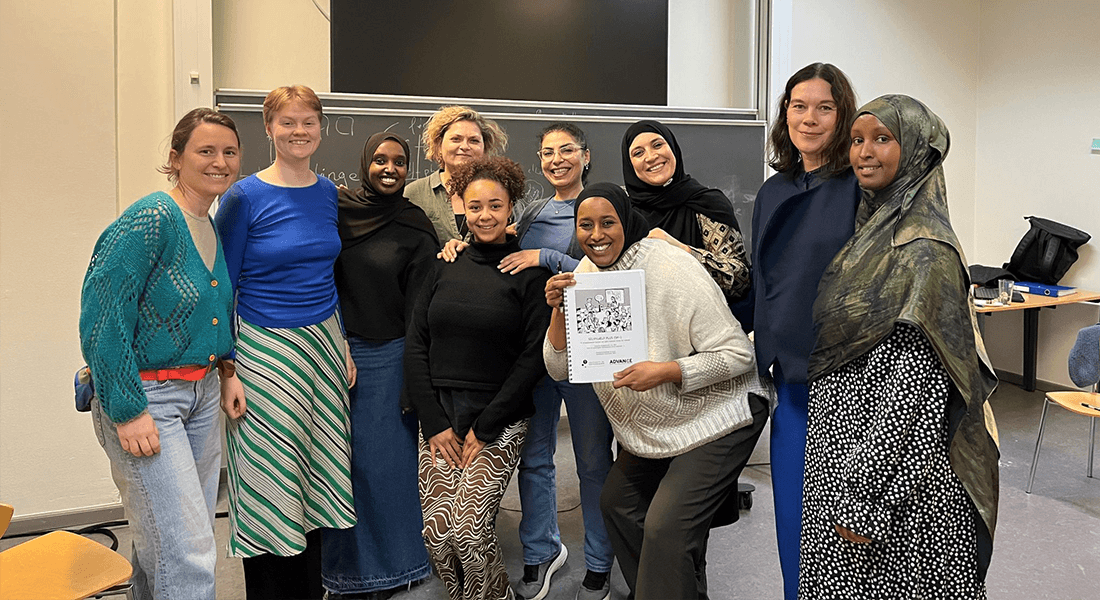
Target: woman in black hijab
[
  {"x": 900, "y": 496},
  {"x": 389, "y": 246},
  {"x": 687, "y": 418},
  {"x": 681, "y": 210}
]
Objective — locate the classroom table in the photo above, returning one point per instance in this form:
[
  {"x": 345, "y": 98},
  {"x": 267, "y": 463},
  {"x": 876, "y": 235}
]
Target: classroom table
[{"x": 1031, "y": 305}]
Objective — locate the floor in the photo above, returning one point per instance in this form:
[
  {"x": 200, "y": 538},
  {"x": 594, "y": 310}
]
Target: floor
[{"x": 1047, "y": 544}]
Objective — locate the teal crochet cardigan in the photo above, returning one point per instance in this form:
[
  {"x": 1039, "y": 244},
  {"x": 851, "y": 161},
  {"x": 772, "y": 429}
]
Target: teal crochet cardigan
[{"x": 149, "y": 302}]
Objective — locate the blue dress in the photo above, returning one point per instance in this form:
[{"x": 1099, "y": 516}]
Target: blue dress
[
  {"x": 798, "y": 224},
  {"x": 378, "y": 275}
]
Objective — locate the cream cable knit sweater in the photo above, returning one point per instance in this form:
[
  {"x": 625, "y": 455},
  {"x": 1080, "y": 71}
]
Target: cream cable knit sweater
[{"x": 690, "y": 323}]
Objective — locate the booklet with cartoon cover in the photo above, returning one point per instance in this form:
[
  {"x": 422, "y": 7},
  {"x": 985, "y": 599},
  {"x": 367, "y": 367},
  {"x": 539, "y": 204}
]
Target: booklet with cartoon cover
[{"x": 605, "y": 324}]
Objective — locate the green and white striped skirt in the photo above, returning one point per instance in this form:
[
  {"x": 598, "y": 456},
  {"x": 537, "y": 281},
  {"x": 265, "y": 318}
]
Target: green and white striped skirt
[{"x": 289, "y": 454}]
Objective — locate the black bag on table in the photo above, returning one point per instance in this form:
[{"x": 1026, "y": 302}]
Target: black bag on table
[{"x": 1046, "y": 251}]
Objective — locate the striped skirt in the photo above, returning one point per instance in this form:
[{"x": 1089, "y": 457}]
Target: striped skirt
[{"x": 289, "y": 454}]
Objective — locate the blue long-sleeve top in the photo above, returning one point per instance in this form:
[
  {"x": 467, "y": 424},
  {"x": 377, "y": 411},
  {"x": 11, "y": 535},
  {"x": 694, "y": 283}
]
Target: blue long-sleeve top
[
  {"x": 280, "y": 246},
  {"x": 149, "y": 302},
  {"x": 553, "y": 234},
  {"x": 799, "y": 223}
]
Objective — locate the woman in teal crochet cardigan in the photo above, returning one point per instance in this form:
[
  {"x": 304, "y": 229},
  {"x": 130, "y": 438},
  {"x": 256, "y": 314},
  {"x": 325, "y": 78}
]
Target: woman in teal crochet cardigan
[{"x": 154, "y": 321}]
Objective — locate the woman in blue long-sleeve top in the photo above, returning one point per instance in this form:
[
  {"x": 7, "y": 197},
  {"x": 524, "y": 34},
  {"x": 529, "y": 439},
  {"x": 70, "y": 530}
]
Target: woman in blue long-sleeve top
[
  {"x": 802, "y": 217},
  {"x": 288, "y": 442},
  {"x": 547, "y": 232}
]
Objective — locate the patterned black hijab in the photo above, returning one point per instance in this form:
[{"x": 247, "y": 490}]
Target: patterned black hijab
[
  {"x": 635, "y": 227},
  {"x": 904, "y": 265},
  {"x": 365, "y": 211},
  {"x": 673, "y": 206}
]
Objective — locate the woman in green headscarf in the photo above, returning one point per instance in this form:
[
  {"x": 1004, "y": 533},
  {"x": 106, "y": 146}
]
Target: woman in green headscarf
[{"x": 901, "y": 456}]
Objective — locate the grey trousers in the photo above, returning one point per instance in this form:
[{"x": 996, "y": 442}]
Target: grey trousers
[{"x": 659, "y": 511}]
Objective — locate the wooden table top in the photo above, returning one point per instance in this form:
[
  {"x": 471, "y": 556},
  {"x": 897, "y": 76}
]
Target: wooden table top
[{"x": 1037, "y": 301}]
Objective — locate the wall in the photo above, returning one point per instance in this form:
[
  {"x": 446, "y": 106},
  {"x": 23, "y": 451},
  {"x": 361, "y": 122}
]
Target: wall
[
  {"x": 145, "y": 97},
  {"x": 58, "y": 173},
  {"x": 708, "y": 66},
  {"x": 1038, "y": 93},
  {"x": 88, "y": 95},
  {"x": 264, "y": 44},
  {"x": 927, "y": 49}
]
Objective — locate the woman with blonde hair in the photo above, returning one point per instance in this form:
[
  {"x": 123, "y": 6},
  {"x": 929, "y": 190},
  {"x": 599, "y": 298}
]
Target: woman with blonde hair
[
  {"x": 453, "y": 136},
  {"x": 288, "y": 437}
]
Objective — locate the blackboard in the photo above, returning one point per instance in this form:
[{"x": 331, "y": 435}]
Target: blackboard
[{"x": 722, "y": 148}]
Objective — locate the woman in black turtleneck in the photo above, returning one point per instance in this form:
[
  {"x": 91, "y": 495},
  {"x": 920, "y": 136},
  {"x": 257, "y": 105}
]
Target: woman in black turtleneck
[
  {"x": 388, "y": 248},
  {"x": 472, "y": 359}
]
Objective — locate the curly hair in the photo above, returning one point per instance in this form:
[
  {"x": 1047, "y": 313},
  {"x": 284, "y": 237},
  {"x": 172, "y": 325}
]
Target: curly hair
[
  {"x": 783, "y": 156},
  {"x": 493, "y": 135},
  {"x": 279, "y": 98},
  {"x": 500, "y": 169},
  {"x": 182, "y": 134}
]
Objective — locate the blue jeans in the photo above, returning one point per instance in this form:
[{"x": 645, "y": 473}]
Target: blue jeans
[
  {"x": 385, "y": 548},
  {"x": 169, "y": 497},
  {"x": 591, "y": 432}
]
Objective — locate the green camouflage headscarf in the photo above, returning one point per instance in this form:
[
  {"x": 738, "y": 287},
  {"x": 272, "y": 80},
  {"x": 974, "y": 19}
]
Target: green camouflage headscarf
[{"x": 904, "y": 265}]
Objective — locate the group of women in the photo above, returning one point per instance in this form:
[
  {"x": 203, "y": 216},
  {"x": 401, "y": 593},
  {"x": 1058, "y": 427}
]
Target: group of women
[{"x": 379, "y": 399}]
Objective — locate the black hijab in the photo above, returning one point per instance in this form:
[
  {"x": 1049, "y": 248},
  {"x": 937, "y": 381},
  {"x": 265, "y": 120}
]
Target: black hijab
[
  {"x": 673, "y": 206},
  {"x": 365, "y": 211},
  {"x": 635, "y": 227},
  {"x": 904, "y": 265}
]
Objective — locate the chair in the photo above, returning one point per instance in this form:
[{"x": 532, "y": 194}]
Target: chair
[
  {"x": 1084, "y": 368},
  {"x": 60, "y": 566}
]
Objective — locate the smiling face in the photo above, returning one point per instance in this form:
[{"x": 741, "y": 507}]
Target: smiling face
[
  {"x": 388, "y": 168},
  {"x": 296, "y": 132},
  {"x": 210, "y": 161},
  {"x": 488, "y": 208},
  {"x": 652, "y": 158},
  {"x": 462, "y": 142},
  {"x": 811, "y": 120},
  {"x": 875, "y": 153},
  {"x": 565, "y": 165},
  {"x": 599, "y": 231}
]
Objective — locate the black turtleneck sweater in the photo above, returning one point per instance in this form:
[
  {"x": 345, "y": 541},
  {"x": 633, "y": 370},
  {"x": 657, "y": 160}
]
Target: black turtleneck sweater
[
  {"x": 475, "y": 328},
  {"x": 379, "y": 279}
]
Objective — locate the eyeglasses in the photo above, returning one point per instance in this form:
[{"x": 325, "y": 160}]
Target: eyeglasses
[{"x": 567, "y": 151}]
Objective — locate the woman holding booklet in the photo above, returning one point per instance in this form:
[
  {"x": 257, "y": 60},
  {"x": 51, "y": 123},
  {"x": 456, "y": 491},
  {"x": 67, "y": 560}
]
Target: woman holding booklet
[{"x": 687, "y": 418}]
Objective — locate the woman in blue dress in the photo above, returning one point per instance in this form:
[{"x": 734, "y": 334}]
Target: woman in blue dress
[{"x": 388, "y": 249}]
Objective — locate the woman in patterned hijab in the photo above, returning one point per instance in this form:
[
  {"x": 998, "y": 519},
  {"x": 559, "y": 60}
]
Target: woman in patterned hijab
[{"x": 901, "y": 462}]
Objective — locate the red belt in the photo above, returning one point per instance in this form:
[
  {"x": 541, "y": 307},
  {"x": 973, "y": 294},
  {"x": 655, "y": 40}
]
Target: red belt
[{"x": 186, "y": 373}]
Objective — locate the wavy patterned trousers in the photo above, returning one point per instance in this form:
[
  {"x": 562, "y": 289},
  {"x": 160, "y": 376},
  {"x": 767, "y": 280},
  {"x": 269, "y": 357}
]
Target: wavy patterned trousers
[{"x": 460, "y": 510}]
